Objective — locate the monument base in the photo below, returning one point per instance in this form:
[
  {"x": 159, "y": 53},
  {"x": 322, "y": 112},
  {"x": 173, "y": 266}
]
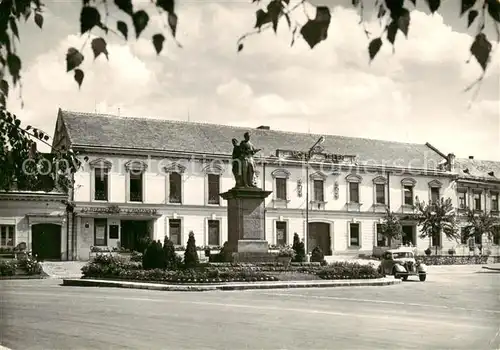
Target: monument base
[
  {"x": 252, "y": 246},
  {"x": 251, "y": 257}
]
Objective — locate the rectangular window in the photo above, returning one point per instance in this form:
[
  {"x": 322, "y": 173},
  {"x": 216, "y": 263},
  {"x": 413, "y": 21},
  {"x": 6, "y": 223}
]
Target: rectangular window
[
  {"x": 175, "y": 182},
  {"x": 100, "y": 184},
  {"x": 353, "y": 192},
  {"x": 354, "y": 235},
  {"x": 280, "y": 233},
  {"x": 381, "y": 241},
  {"x": 174, "y": 229},
  {"x": 113, "y": 232},
  {"x": 281, "y": 188},
  {"x": 478, "y": 240},
  {"x": 408, "y": 195},
  {"x": 494, "y": 201},
  {"x": 436, "y": 240},
  {"x": 496, "y": 235},
  {"x": 318, "y": 191},
  {"x": 379, "y": 194},
  {"x": 463, "y": 236},
  {"x": 100, "y": 232},
  {"x": 213, "y": 189},
  {"x": 136, "y": 187},
  {"x": 213, "y": 232},
  {"x": 477, "y": 201},
  {"x": 434, "y": 194},
  {"x": 7, "y": 235},
  {"x": 462, "y": 200}
]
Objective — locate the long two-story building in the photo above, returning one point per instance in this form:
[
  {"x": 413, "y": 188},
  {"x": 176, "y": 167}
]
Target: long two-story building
[{"x": 148, "y": 177}]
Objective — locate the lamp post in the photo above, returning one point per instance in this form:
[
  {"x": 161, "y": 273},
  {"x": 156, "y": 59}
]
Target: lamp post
[{"x": 308, "y": 157}]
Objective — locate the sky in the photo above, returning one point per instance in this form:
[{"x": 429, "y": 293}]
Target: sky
[{"x": 413, "y": 94}]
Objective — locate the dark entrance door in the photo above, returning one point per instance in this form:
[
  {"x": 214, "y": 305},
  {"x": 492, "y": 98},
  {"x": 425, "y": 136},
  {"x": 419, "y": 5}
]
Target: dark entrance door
[
  {"x": 408, "y": 235},
  {"x": 319, "y": 236},
  {"x": 133, "y": 234},
  {"x": 46, "y": 241}
]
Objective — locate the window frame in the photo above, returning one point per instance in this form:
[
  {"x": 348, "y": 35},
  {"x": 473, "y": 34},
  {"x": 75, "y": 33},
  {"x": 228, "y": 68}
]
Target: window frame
[
  {"x": 213, "y": 170},
  {"x": 105, "y": 222},
  {"x": 408, "y": 183},
  {"x": 177, "y": 169},
  {"x": 169, "y": 226},
  {"x": 9, "y": 228},
  {"x": 219, "y": 233},
  {"x": 358, "y": 245},
  {"x": 101, "y": 164},
  {"x": 136, "y": 167},
  {"x": 281, "y": 175},
  {"x": 276, "y": 229}
]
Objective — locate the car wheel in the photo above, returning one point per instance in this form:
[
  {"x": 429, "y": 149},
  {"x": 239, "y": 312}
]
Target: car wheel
[
  {"x": 422, "y": 277},
  {"x": 395, "y": 273},
  {"x": 405, "y": 278},
  {"x": 380, "y": 270}
]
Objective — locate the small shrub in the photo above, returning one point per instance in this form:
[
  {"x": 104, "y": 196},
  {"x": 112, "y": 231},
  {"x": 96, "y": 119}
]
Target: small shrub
[
  {"x": 143, "y": 244},
  {"x": 29, "y": 264},
  {"x": 8, "y": 267},
  {"x": 317, "y": 255},
  {"x": 452, "y": 251},
  {"x": 225, "y": 255},
  {"x": 154, "y": 257},
  {"x": 300, "y": 251},
  {"x": 428, "y": 251},
  {"x": 172, "y": 260},
  {"x": 191, "y": 255},
  {"x": 136, "y": 256},
  {"x": 286, "y": 251}
]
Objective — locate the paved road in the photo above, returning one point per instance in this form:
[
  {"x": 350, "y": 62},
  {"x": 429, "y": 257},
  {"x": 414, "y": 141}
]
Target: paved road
[{"x": 459, "y": 311}]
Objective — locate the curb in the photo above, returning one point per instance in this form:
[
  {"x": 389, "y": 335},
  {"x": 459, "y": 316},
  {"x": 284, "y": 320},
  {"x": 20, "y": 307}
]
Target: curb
[
  {"x": 491, "y": 268},
  {"x": 228, "y": 286},
  {"x": 23, "y": 277}
]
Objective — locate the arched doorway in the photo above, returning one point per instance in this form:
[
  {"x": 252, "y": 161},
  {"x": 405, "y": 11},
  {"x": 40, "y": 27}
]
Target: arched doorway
[
  {"x": 319, "y": 236},
  {"x": 46, "y": 241}
]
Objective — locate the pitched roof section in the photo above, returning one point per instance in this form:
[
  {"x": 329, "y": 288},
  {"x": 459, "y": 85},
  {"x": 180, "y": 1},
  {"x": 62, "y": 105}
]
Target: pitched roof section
[
  {"x": 87, "y": 129},
  {"x": 476, "y": 169}
]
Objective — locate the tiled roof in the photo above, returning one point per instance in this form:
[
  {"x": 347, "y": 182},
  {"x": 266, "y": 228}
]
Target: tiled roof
[
  {"x": 88, "y": 129},
  {"x": 476, "y": 169}
]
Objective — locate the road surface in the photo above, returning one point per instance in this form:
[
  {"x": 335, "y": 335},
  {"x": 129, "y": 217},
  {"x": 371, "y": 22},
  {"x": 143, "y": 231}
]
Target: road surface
[{"x": 459, "y": 311}]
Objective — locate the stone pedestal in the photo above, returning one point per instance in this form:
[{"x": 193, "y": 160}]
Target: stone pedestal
[{"x": 245, "y": 220}]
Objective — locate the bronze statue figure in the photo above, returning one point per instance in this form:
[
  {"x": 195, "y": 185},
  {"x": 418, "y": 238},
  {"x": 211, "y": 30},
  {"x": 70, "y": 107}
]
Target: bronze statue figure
[{"x": 243, "y": 162}]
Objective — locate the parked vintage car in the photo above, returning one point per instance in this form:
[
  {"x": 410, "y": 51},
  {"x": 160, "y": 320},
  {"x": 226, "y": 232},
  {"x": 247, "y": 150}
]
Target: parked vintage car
[{"x": 401, "y": 263}]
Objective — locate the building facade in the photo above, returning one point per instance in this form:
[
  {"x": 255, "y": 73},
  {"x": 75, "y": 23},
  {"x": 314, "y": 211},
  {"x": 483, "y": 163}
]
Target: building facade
[
  {"x": 145, "y": 177},
  {"x": 477, "y": 188}
]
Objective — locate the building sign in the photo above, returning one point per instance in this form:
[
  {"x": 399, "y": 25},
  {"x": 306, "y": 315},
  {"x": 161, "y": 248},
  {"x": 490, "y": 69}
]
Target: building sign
[
  {"x": 317, "y": 155},
  {"x": 114, "y": 209}
]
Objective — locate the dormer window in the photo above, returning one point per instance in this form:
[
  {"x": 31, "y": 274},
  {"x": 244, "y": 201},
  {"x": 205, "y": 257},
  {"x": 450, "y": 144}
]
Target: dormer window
[
  {"x": 135, "y": 171},
  {"x": 100, "y": 169}
]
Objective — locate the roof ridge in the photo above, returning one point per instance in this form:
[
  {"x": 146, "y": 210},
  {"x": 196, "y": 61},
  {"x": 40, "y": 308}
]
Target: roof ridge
[{"x": 113, "y": 116}]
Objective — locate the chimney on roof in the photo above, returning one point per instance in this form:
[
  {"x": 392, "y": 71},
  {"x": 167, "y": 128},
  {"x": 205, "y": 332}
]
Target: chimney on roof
[
  {"x": 471, "y": 157},
  {"x": 450, "y": 162},
  {"x": 263, "y": 127}
]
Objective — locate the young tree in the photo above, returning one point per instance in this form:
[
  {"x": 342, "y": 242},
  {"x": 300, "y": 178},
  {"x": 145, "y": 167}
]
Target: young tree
[
  {"x": 436, "y": 218},
  {"x": 172, "y": 261},
  {"x": 191, "y": 255},
  {"x": 299, "y": 248},
  {"x": 391, "y": 227},
  {"x": 479, "y": 224}
]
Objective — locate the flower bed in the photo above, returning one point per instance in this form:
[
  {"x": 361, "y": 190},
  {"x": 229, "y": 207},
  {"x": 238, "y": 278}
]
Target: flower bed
[
  {"x": 110, "y": 267},
  {"x": 347, "y": 270},
  {"x": 457, "y": 260},
  {"x": 24, "y": 265}
]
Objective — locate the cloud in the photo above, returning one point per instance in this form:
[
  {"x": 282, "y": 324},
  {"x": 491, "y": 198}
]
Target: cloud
[{"x": 414, "y": 94}]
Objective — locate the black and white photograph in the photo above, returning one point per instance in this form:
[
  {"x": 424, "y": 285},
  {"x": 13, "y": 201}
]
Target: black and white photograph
[{"x": 249, "y": 174}]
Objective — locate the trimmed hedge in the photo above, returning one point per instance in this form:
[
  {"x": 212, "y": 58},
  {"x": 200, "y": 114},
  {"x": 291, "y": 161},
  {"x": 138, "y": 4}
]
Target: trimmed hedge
[
  {"x": 26, "y": 263},
  {"x": 457, "y": 260}
]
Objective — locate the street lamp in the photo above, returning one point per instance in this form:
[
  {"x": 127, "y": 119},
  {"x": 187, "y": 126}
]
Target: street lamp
[{"x": 308, "y": 157}]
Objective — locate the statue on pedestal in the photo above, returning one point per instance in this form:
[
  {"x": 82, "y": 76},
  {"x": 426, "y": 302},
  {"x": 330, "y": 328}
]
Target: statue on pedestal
[{"x": 243, "y": 166}]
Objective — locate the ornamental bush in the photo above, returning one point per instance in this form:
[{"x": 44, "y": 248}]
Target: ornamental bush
[
  {"x": 317, "y": 255},
  {"x": 30, "y": 265},
  {"x": 191, "y": 255},
  {"x": 300, "y": 251},
  {"x": 172, "y": 260},
  {"x": 154, "y": 256},
  {"x": 348, "y": 270},
  {"x": 8, "y": 267}
]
